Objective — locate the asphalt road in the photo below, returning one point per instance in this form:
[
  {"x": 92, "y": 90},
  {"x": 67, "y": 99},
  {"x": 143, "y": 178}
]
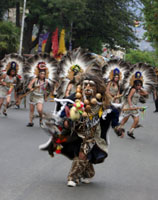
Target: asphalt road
[{"x": 26, "y": 173}]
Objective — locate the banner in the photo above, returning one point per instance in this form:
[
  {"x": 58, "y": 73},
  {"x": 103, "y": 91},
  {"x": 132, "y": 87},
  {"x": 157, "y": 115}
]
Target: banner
[
  {"x": 42, "y": 42},
  {"x": 55, "y": 42},
  {"x": 62, "y": 48}
]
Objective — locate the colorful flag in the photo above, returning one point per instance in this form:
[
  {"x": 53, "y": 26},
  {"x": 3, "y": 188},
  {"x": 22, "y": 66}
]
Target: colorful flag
[
  {"x": 55, "y": 42},
  {"x": 62, "y": 48},
  {"x": 42, "y": 42}
]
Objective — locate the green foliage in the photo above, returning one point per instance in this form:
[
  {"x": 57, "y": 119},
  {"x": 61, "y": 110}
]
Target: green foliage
[
  {"x": 135, "y": 56},
  {"x": 88, "y": 23},
  {"x": 4, "y": 5},
  {"x": 9, "y": 38},
  {"x": 150, "y": 11},
  {"x": 111, "y": 22}
]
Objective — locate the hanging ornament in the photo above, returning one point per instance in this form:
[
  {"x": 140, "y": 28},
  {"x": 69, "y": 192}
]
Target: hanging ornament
[
  {"x": 98, "y": 96},
  {"x": 79, "y": 87},
  {"x": 78, "y": 90},
  {"x": 93, "y": 101},
  {"x": 86, "y": 102},
  {"x": 84, "y": 114},
  {"x": 58, "y": 149},
  {"x": 78, "y": 95},
  {"x": 88, "y": 108}
]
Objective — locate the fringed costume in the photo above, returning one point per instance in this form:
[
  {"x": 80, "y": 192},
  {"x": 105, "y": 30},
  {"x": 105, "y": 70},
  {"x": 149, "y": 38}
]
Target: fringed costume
[
  {"x": 79, "y": 129},
  {"x": 140, "y": 81},
  {"x": 11, "y": 77},
  {"x": 114, "y": 73},
  {"x": 41, "y": 76}
]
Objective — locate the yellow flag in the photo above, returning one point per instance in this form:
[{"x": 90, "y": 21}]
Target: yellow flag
[{"x": 62, "y": 48}]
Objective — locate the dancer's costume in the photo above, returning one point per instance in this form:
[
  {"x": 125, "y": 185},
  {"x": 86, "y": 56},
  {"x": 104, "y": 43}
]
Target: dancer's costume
[
  {"x": 110, "y": 70},
  {"x": 146, "y": 74},
  {"x": 11, "y": 61},
  {"x": 116, "y": 67},
  {"x": 80, "y": 126},
  {"x": 35, "y": 65}
]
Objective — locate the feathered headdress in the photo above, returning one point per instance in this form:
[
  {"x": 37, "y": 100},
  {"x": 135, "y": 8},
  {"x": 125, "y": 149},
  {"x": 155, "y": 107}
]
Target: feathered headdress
[
  {"x": 12, "y": 61},
  {"x": 116, "y": 67},
  {"x": 77, "y": 61},
  {"x": 101, "y": 59},
  {"x": 41, "y": 62},
  {"x": 74, "y": 64},
  {"x": 143, "y": 72}
]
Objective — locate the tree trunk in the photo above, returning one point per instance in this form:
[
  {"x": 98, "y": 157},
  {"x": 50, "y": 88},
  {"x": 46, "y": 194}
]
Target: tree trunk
[
  {"x": 18, "y": 14},
  {"x": 27, "y": 39},
  {"x": 28, "y": 45}
]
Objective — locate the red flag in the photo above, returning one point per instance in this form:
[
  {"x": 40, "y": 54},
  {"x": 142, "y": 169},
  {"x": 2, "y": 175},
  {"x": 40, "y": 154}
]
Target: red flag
[{"x": 55, "y": 42}]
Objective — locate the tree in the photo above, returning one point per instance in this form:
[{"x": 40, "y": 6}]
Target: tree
[
  {"x": 107, "y": 22},
  {"x": 150, "y": 11},
  {"x": 136, "y": 56},
  {"x": 49, "y": 14},
  {"x": 88, "y": 23},
  {"x": 9, "y": 38},
  {"x": 5, "y": 5}
]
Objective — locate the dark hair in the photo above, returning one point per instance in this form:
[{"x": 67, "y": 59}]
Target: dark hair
[
  {"x": 9, "y": 71},
  {"x": 137, "y": 82},
  {"x": 112, "y": 81},
  {"x": 40, "y": 71},
  {"x": 115, "y": 76}
]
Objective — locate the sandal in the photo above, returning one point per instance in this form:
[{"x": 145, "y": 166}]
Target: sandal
[
  {"x": 130, "y": 135},
  {"x": 41, "y": 124},
  {"x": 139, "y": 125},
  {"x": 4, "y": 113},
  {"x": 30, "y": 124}
]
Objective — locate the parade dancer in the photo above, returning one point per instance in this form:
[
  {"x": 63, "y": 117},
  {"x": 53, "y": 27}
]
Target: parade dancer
[
  {"x": 141, "y": 82},
  {"x": 79, "y": 129},
  {"x": 132, "y": 102},
  {"x": 11, "y": 75},
  {"x": 42, "y": 71},
  {"x": 114, "y": 73},
  {"x": 38, "y": 95}
]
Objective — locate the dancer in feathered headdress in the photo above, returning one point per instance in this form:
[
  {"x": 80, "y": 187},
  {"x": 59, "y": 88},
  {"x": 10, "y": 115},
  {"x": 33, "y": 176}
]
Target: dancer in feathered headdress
[
  {"x": 72, "y": 66},
  {"x": 140, "y": 83},
  {"x": 79, "y": 128},
  {"x": 11, "y": 74},
  {"x": 114, "y": 74},
  {"x": 41, "y": 69}
]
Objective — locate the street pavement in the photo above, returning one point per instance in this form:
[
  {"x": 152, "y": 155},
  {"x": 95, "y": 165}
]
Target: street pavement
[{"x": 26, "y": 173}]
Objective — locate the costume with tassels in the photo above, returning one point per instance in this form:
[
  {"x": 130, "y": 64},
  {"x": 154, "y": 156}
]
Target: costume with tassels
[
  {"x": 114, "y": 73},
  {"x": 41, "y": 70},
  {"x": 139, "y": 83},
  {"x": 79, "y": 128},
  {"x": 11, "y": 71}
]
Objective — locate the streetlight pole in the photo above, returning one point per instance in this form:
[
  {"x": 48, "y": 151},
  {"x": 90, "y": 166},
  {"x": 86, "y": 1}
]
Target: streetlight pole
[{"x": 22, "y": 28}]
